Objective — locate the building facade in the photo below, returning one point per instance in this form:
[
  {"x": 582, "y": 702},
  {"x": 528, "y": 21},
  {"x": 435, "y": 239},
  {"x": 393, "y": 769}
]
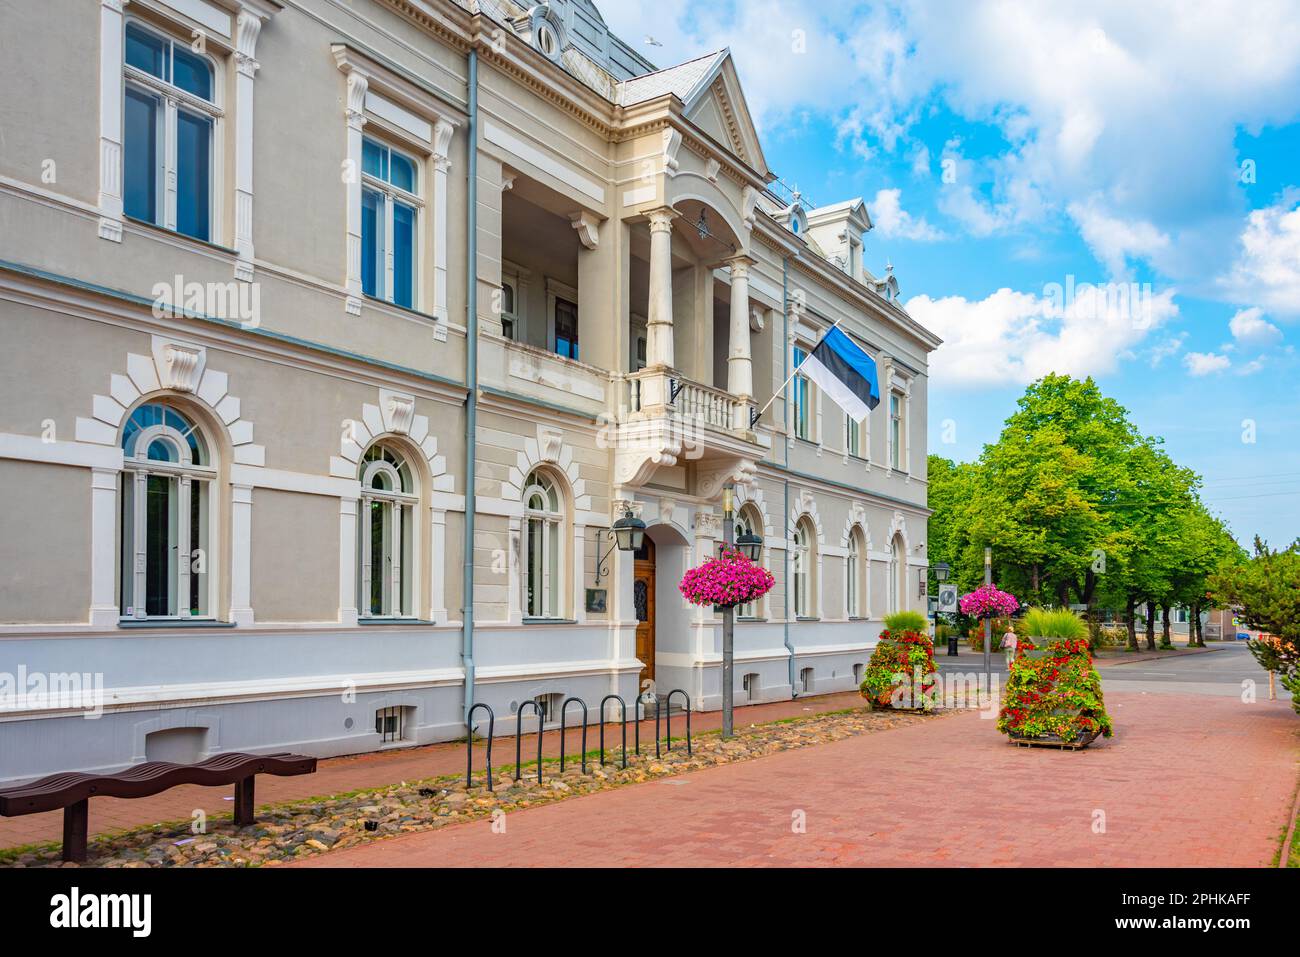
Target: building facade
[{"x": 297, "y": 296}]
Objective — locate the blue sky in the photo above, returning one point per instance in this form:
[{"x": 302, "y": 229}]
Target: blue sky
[{"x": 1007, "y": 151}]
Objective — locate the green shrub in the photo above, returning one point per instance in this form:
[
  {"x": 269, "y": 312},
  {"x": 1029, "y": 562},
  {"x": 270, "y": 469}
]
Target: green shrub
[
  {"x": 1054, "y": 690},
  {"x": 901, "y": 621},
  {"x": 890, "y": 678},
  {"x": 1053, "y": 623}
]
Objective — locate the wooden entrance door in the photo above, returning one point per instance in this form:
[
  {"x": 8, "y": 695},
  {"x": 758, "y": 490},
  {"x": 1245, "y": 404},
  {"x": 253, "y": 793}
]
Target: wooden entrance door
[{"x": 643, "y": 604}]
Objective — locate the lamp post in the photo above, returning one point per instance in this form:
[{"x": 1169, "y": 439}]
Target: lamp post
[
  {"x": 728, "y": 624},
  {"x": 988, "y": 623},
  {"x": 941, "y": 570}
]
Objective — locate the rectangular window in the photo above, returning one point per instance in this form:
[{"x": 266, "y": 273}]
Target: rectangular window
[
  {"x": 801, "y": 398},
  {"x": 167, "y": 178},
  {"x": 390, "y": 216},
  {"x": 852, "y": 436},
  {"x": 566, "y": 328},
  {"x": 896, "y": 431}
]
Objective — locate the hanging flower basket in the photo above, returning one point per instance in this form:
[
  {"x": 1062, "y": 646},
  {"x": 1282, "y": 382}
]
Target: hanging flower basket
[
  {"x": 987, "y": 602},
  {"x": 726, "y": 582}
]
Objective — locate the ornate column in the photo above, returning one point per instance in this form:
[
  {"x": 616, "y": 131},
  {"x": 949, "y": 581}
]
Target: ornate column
[
  {"x": 356, "y": 115},
  {"x": 740, "y": 367},
  {"x": 248, "y": 25},
  {"x": 442, "y": 132},
  {"x": 241, "y": 554},
  {"x": 347, "y": 561},
  {"x": 103, "y": 553},
  {"x": 659, "y": 315},
  {"x": 110, "y": 120}
]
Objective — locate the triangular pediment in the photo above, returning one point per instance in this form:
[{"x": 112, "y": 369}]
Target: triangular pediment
[{"x": 717, "y": 105}]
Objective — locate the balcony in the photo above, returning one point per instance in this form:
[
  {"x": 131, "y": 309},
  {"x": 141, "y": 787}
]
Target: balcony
[{"x": 667, "y": 421}]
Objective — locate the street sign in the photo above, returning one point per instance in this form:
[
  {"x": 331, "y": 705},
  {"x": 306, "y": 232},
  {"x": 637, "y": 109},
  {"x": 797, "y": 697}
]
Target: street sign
[{"x": 948, "y": 598}]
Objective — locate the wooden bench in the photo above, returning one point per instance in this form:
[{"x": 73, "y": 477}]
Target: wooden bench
[{"x": 73, "y": 790}]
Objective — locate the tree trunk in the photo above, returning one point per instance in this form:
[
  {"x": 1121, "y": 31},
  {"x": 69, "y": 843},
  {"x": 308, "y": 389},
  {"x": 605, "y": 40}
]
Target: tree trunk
[
  {"x": 1195, "y": 639},
  {"x": 1166, "y": 637},
  {"x": 1151, "y": 626},
  {"x": 1130, "y": 610}
]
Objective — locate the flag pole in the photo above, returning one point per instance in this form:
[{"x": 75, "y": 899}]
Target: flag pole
[{"x": 790, "y": 377}]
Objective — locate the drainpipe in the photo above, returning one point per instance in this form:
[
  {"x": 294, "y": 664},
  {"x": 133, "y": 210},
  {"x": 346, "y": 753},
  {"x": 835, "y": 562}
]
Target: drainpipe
[
  {"x": 785, "y": 445},
  {"x": 471, "y": 381}
]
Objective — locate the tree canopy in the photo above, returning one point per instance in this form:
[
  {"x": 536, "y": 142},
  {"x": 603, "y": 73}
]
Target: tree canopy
[{"x": 1079, "y": 508}]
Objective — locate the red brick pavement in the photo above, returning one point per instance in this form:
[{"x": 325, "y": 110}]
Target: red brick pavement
[
  {"x": 1188, "y": 780},
  {"x": 373, "y": 770}
]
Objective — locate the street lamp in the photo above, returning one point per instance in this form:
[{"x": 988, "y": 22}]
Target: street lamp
[
  {"x": 628, "y": 534},
  {"x": 988, "y": 623},
  {"x": 750, "y": 545}
]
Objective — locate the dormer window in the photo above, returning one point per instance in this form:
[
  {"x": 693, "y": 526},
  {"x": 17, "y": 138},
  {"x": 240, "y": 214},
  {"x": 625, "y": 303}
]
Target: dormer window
[
  {"x": 546, "y": 36},
  {"x": 796, "y": 224}
]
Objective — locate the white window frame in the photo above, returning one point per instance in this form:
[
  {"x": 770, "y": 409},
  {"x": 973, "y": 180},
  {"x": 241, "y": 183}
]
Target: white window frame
[
  {"x": 801, "y": 399},
  {"x": 516, "y": 277},
  {"x": 897, "y": 423},
  {"x": 173, "y": 100},
  {"x": 804, "y": 540},
  {"x": 400, "y": 508},
  {"x": 391, "y": 195},
  {"x": 897, "y": 575},
  {"x": 852, "y": 436},
  {"x": 554, "y": 532},
  {"x": 189, "y": 479},
  {"x": 856, "y": 575}
]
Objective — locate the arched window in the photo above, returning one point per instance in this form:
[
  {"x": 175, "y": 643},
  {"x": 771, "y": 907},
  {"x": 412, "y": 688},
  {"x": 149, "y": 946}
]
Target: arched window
[
  {"x": 168, "y": 514},
  {"x": 544, "y": 523},
  {"x": 897, "y": 575},
  {"x": 804, "y": 536},
  {"x": 749, "y": 522},
  {"x": 855, "y": 574},
  {"x": 386, "y": 535}
]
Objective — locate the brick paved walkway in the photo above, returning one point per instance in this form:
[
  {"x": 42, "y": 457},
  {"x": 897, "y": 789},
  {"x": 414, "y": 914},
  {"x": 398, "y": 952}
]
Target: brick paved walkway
[
  {"x": 375, "y": 769},
  {"x": 1189, "y": 780}
]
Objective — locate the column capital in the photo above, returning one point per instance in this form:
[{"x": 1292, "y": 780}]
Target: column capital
[
  {"x": 661, "y": 219},
  {"x": 740, "y": 265}
]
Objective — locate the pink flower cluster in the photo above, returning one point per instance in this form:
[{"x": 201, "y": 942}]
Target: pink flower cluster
[
  {"x": 727, "y": 581},
  {"x": 986, "y": 601}
]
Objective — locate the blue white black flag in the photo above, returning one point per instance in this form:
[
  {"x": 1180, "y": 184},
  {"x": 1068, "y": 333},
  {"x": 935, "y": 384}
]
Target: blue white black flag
[{"x": 844, "y": 372}]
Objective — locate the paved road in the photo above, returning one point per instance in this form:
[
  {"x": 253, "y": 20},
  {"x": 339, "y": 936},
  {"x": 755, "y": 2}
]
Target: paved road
[
  {"x": 1188, "y": 780},
  {"x": 1227, "y": 669}
]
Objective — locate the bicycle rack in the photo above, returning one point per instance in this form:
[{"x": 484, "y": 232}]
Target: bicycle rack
[
  {"x": 664, "y": 706},
  {"x": 469, "y": 743},
  {"x": 623, "y": 706},
  {"x": 636, "y": 721},
  {"x": 563, "y": 710},
  {"x": 668, "y": 717},
  {"x": 519, "y": 730}
]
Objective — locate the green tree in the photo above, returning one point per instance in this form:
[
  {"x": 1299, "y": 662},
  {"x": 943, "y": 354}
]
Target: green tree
[{"x": 1267, "y": 590}]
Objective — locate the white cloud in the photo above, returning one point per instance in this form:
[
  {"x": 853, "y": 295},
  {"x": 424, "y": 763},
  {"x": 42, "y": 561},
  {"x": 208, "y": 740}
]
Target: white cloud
[
  {"x": 1204, "y": 363},
  {"x": 892, "y": 221},
  {"x": 1013, "y": 338},
  {"x": 1166, "y": 348},
  {"x": 1115, "y": 241},
  {"x": 1249, "y": 328},
  {"x": 1267, "y": 269}
]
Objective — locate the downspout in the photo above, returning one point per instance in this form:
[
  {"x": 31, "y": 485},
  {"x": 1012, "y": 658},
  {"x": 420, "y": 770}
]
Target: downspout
[
  {"x": 471, "y": 381},
  {"x": 785, "y": 445}
]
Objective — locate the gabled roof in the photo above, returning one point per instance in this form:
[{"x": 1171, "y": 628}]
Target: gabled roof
[
  {"x": 707, "y": 84},
  {"x": 683, "y": 80}
]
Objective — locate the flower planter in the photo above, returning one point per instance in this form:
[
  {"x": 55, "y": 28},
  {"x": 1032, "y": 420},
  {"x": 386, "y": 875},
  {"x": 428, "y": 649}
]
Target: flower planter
[
  {"x": 899, "y": 653},
  {"x": 1055, "y": 741},
  {"x": 1053, "y": 696}
]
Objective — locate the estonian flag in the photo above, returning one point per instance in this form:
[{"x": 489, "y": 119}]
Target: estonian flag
[{"x": 845, "y": 373}]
